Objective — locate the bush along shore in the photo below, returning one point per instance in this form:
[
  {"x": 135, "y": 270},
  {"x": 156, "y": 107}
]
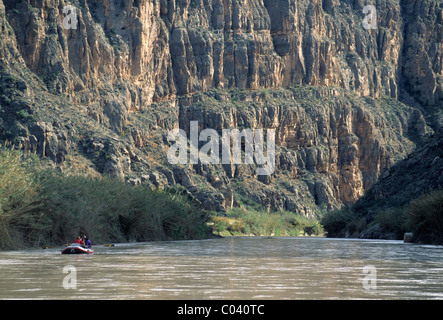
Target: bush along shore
[
  {"x": 41, "y": 208},
  {"x": 421, "y": 217},
  {"x": 253, "y": 222}
]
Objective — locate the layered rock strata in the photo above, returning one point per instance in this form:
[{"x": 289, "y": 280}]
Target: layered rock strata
[{"x": 345, "y": 101}]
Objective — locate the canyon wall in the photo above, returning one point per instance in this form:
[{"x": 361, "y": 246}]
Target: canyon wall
[{"x": 346, "y": 102}]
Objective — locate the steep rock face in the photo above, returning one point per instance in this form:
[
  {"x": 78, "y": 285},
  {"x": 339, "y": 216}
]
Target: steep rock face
[
  {"x": 108, "y": 91},
  {"x": 422, "y": 51},
  {"x": 424, "y": 168},
  {"x": 390, "y": 206},
  {"x": 169, "y": 47},
  {"x": 329, "y": 146}
]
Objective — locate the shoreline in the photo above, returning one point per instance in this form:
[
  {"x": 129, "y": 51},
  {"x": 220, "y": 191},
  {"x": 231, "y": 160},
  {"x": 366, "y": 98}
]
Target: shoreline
[{"x": 261, "y": 237}]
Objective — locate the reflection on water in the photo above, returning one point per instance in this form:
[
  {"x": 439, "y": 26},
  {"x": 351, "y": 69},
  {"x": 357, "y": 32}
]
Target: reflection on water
[{"x": 230, "y": 268}]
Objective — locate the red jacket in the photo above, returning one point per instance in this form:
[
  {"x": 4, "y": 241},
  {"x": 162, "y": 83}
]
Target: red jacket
[{"x": 79, "y": 241}]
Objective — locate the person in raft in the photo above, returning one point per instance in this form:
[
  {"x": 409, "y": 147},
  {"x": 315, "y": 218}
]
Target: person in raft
[
  {"x": 88, "y": 242},
  {"x": 79, "y": 241}
]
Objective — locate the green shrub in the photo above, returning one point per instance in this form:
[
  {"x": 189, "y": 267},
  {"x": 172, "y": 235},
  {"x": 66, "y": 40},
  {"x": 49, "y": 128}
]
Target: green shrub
[
  {"x": 248, "y": 221},
  {"x": 339, "y": 223},
  {"x": 22, "y": 114},
  {"x": 226, "y": 225},
  {"x": 19, "y": 198},
  {"x": 425, "y": 216},
  {"x": 392, "y": 220}
]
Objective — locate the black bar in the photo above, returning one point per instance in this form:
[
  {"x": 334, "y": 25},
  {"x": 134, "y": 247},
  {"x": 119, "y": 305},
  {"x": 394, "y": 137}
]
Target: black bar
[{"x": 224, "y": 309}]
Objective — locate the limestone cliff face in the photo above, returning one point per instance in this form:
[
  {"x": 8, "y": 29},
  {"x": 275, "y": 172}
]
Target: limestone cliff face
[
  {"x": 331, "y": 147},
  {"x": 166, "y": 48},
  {"x": 108, "y": 91}
]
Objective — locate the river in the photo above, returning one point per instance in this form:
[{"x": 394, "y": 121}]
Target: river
[{"x": 229, "y": 268}]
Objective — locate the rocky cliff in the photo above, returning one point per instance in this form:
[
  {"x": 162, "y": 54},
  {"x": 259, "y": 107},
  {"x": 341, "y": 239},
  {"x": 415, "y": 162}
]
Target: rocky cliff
[
  {"x": 407, "y": 198},
  {"x": 100, "y": 96},
  {"x": 421, "y": 172}
]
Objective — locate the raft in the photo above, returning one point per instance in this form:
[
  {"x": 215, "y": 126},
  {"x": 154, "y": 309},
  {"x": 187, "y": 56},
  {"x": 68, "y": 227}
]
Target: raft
[{"x": 76, "y": 248}]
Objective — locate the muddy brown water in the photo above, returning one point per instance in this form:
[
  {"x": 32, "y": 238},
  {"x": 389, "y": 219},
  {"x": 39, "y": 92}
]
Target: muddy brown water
[{"x": 229, "y": 268}]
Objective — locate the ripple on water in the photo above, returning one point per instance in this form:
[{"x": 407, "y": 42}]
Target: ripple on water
[{"x": 230, "y": 268}]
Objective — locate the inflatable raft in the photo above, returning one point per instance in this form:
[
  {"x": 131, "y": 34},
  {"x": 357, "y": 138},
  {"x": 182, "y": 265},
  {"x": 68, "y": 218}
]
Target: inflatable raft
[{"x": 76, "y": 248}]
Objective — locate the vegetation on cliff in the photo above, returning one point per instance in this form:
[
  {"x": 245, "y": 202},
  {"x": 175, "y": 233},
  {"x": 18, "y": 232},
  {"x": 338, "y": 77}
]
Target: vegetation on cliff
[{"x": 42, "y": 207}]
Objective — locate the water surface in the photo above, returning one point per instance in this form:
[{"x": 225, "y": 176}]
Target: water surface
[{"x": 230, "y": 268}]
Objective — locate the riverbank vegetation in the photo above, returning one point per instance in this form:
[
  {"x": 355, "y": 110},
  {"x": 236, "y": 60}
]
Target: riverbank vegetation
[
  {"x": 422, "y": 216},
  {"x": 42, "y": 207},
  {"x": 253, "y": 222}
]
